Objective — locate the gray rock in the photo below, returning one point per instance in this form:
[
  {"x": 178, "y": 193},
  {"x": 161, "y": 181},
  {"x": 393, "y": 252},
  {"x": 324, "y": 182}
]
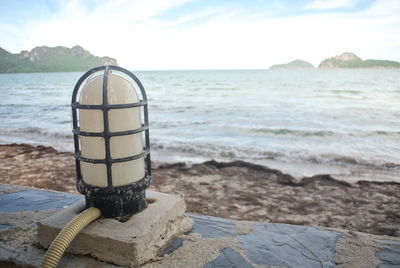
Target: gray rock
[
  {"x": 35, "y": 200},
  {"x": 290, "y": 245},
  {"x": 390, "y": 256},
  {"x": 212, "y": 227},
  {"x": 227, "y": 258},
  {"x": 176, "y": 243}
]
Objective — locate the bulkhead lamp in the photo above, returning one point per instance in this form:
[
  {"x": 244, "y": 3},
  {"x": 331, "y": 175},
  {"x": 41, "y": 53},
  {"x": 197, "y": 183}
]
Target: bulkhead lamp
[{"x": 112, "y": 145}]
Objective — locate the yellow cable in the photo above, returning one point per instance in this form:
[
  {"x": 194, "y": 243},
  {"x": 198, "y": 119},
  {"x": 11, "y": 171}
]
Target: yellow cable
[{"x": 65, "y": 237}]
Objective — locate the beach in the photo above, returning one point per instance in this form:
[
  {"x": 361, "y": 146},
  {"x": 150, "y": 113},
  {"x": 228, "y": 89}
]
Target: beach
[
  {"x": 312, "y": 147},
  {"x": 302, "y": 122},
  {"x": 237, "y": 190}
]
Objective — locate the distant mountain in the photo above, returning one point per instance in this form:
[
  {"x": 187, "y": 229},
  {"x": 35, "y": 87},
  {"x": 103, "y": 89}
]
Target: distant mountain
[
  {"x": 350, "y": 60},
  {"x": 51, "y": 59},
  {"x": 296, "y": 64}
]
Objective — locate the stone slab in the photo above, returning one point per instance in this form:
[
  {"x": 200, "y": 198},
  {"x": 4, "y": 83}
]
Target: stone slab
[
  {"x": 210, "y": 227},
  {"x": 214, "y": 242},
  {"x": 176, "y": 243},
  {"x": 35, "y": 200},
  {"x": 390, "y": 253},
  {"x": 129, "y": 243},
  {"x": 228, "y": 258},
  {"x": 290, "y": 245}
]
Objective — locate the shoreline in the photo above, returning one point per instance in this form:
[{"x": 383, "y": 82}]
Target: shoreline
[
  {"x": 296, "y": 169},
  {"x": 237, "y": 190},
  {"x": 350, "y": 172}
]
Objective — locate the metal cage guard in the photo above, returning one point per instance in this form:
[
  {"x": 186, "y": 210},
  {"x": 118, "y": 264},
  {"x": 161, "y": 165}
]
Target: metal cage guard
[{"x": 117, "y": 201}]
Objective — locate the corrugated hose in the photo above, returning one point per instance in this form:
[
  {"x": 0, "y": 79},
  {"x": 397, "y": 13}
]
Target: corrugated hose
[{"x": 67, "y": 234}]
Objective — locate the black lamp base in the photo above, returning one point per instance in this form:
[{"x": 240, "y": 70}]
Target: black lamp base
[
  {"x": 116, "y": 202},
  {"x": 117, "y": 206}
]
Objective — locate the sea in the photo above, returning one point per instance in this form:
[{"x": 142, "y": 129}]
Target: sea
[{"x": 343, "y": 122}]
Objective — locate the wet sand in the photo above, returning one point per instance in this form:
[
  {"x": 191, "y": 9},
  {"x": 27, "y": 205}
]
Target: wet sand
[{"x": 236, "y": 190}]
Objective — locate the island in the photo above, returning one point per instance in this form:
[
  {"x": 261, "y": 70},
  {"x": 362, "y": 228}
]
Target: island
[
  {"x": 51, "y": 59},
  {"x": 296, "y": 64},
  {"x": 350, "y": 60}
]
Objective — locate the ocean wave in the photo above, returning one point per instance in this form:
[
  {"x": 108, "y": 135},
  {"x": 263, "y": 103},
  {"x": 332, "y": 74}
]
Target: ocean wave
[
  {"x": 384, "y": 133},
  {"x": 222, "y": 88},
  {"x": 322, "y": 133},
  {"x": 17, "y": 105},
  {"x": 341, "y": 96},
  {"x": 35, "y": 131},
  {"x": 209, "y": 151},
  {"x": 291, "y": 132},
  {"x": 356, "y": 161},
  {"x": 229, "y": 153},
  {"x": 175, "y": 124},
  {"x": 340, "y": 91}
]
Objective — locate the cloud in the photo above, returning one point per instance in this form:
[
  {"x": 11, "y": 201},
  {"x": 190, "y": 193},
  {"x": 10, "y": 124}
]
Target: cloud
[
  {"x": 125, "y": 10},
  {"x": 331, "y": 4},
  {"x": 385, "y": 8},
  {"x": 140, "y": 36}
]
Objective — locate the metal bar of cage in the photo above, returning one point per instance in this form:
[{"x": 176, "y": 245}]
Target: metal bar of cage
[
  {"x": 112, "y": 134},
  {"x": 112, "y": 161},
  {"x": 107, "y": 127},
  {"x": 110, "y": 106}
]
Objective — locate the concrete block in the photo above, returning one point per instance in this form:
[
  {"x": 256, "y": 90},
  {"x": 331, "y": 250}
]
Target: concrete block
[{"x": 129, "y": 243}]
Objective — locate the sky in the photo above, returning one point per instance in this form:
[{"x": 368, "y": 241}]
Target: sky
[{"x": 206, "y": 34}]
